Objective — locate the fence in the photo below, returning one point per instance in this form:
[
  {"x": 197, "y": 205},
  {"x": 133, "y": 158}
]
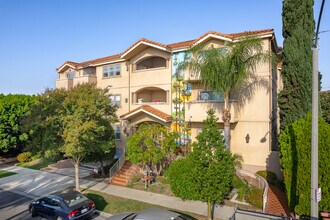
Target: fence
[
  {"x": 255, "y": 180},
  {"x": 130, "y": 173},
  {"x": 117, "y": 166}
]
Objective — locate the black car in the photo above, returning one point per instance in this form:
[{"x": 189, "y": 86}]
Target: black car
[{"x": 65, "y": 205}]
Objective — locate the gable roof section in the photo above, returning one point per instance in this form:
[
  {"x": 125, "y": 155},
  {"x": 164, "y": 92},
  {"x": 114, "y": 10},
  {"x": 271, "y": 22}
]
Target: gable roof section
[
  {"x": 147, "y": 109},
  {"x": 144, "y": 43},
  {"x": 67, "y": 64}
]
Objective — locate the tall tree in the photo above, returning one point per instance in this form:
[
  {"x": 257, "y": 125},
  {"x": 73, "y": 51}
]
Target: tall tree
[
  {"x": 151, "y": 146},
  {"x": 86, "y": 115},
  {"x": 298, "y": 30},
  {"x": 75, "y": 122},
  {"x": 325, "y": 105},
  {"x": 207, "y": 172},
  {"x": 43, "y": 124},
  {"x": 13, "y": 108},
  {"x": 295, "y": 142},
  {"x": 225, "y": 70}
]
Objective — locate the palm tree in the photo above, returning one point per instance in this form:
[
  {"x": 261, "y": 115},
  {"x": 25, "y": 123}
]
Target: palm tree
[{"x": 225, "y": 69}]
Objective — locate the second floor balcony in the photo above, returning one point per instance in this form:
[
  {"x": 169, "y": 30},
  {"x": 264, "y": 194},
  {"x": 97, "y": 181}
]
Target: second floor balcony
[
  {"x": 150, "y": 96},
  {"x": 196, "y": 111},
  {"x": 68, "y": 83},
  {"x": 64, "y": 83},
  {"x": 84, "y": 79}
]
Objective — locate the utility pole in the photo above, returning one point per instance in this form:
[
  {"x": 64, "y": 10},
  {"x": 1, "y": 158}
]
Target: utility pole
[{"x": 314, "y": 151}]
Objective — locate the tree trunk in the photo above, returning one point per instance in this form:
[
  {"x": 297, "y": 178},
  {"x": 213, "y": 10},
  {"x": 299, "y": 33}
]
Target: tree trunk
[
  {"x": 226, "y": 120},
  {"x": 76, "y": 170},
  {"x": 209, "y": 210}
]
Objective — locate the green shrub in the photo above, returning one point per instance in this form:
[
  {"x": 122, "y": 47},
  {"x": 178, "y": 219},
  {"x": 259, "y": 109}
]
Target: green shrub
[
  {"x": 271, "y": 178},
  {"x": 24, "y": 157},
  {"x": 241, "y": 186},
  {"x": 325, "y": 105},
  {"x": 255, "y": 196},
  {"x": 295, "y": 158}
]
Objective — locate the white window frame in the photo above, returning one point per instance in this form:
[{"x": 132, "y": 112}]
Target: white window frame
[
  {"x": 114, "y": 100},
  {"x": 111, "y": 71},
  {"x": 117, "y": 69}
]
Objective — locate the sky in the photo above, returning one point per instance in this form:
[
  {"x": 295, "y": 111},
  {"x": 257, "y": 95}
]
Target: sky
[{"x": 37, "y": 36}]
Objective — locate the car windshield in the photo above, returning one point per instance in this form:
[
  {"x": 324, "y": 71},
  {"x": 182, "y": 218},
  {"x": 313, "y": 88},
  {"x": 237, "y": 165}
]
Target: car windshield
[{"x": 74, "y": 199}]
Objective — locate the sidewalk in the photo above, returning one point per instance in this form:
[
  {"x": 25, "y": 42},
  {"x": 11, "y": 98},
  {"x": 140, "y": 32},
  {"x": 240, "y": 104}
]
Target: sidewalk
[{"x": 38, "y": 183}]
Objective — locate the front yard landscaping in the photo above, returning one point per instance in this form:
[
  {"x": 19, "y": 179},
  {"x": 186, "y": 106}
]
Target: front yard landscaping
[
  {"x": 114, "y": 204},
  {"x": 246, "y": 193},
  {"x": 160, "y": 186},
  {"x": 4, "y": 173},
  {"x": 36, "y": 164}
]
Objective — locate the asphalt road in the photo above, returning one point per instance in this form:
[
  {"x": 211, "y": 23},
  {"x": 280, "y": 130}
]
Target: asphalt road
[{"x": 14, "y": 206}]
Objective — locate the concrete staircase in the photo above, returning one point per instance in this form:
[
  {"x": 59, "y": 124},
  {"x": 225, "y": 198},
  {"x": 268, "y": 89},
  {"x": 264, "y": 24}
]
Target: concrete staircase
[{"x": 125, "y": 174}]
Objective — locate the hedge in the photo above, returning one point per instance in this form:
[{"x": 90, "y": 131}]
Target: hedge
[{"x": 295, "y": 158}]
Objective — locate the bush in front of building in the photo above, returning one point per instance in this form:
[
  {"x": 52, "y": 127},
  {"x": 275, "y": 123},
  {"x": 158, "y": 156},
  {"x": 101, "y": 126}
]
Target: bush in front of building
[
  {"x": 24, "y": 157},
  {"x": 295, "y": 158}
]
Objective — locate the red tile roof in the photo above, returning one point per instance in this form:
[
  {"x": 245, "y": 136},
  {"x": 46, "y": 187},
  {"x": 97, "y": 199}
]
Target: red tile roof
[
  {"x": 74, "y": 64},
  {"x": 182, "y": 44},
  {"x": 179, "y": 45},
  {"x": 150, "y": 110},
  {"x": 147, "y": 41}
]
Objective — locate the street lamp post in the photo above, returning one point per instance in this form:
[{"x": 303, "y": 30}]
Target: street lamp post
[{"x": 314, "y": 150}]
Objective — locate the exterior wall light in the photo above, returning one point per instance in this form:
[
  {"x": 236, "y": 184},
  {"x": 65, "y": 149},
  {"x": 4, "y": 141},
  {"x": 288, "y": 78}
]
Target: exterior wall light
[{"x": 247, "y": 138}]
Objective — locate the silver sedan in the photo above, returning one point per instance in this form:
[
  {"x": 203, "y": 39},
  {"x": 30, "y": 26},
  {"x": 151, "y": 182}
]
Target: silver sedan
[{"x": 150, "y": 214}]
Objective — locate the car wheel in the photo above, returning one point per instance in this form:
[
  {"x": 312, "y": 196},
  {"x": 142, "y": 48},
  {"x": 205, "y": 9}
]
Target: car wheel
[{"x": 33, "y": 211}]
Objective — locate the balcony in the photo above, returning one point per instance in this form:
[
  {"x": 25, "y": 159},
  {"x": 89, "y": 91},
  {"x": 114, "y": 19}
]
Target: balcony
[
  {"x": 196, "y": 110},
  {"x": 84, "y": 79},
  {"x": 190, "y": 77},
  {"x": 150, "y": 95},
  {"x": 68, "y": 83},
  {"x": 64, "y": 83}
]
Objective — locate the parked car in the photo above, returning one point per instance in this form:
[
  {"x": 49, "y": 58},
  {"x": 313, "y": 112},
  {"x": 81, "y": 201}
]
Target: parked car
[
  {"x": 65, "y": 205},
  {"x": 150, "y": 214}
]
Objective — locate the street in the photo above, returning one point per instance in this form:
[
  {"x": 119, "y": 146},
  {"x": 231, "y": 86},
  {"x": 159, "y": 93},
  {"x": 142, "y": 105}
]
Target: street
[{"x": 14, "y": 206}]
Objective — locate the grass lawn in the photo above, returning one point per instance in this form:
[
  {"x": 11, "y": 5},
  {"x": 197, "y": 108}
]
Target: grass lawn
[
  {"x": 114, "y": 204},
  {"x": 36, "y": 164},
  {"x": 4, "y": 173},
  {"x": 161, "y": 186}
]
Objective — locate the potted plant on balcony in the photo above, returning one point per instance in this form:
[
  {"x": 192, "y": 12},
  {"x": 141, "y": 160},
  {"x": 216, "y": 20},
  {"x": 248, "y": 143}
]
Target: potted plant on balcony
[{"x": 140, "y": 100}]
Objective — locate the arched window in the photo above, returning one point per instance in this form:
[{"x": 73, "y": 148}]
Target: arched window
[{"x": 151, "y": 62}]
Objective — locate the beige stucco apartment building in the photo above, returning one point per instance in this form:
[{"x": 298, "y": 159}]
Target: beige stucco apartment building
[{"x": 144, "y": 84}]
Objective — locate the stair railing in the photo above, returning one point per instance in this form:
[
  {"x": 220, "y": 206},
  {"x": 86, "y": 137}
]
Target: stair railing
[
  {"x": 256, "y": 180},
  {"x": 129, "y": 174},
  {"x": 116, "y": 167}
]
